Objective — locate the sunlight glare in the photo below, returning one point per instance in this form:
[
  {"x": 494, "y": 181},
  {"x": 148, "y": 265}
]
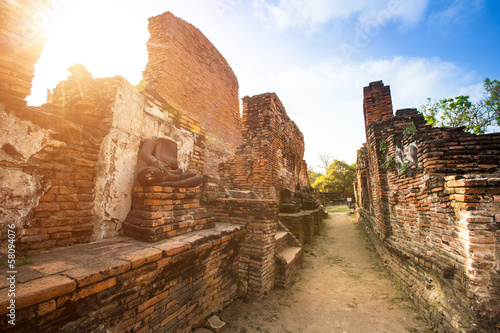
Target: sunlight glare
[{"x": 107, "y": 37}]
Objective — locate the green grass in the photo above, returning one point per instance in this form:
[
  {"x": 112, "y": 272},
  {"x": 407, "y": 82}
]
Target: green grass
[{"x": 339, "y": 209}]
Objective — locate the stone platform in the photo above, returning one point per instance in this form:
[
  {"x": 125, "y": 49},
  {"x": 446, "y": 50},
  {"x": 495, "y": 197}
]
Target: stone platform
[
  {"x": 304, "y": 225},
  {"x": 160, "y": 212},
  {"x": 124, "y": 285}
]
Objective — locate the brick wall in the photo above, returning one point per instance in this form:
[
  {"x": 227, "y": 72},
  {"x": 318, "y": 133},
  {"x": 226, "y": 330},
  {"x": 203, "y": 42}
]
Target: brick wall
[
  {"x": 257, "y": 257},
  {"x": 304, "y": 225},
  {"x": 67, "y": 173},
  {"x": 271, "y": 156},
  {"x": 65, "y": 166},
  {"x": 171, "y": 286},
  {"x": 174, "y": 122},
  {"x": 429, "y": 199},
  {"x": 185, "y": 69},
  {"x": 377, "y": 102},
  {"x": 78, "y": 156}
]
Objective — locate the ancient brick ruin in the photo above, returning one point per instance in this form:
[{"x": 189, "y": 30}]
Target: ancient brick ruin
[
  {"x": 429, "y": 200},
  {"x": 132, "y": 258},
  {"x": 187, "y": 71},
  {"x": 271, "y": 156}
]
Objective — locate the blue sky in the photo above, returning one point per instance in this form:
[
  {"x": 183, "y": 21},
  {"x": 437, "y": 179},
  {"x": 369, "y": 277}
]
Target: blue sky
[{"x": 317, "y": 55}]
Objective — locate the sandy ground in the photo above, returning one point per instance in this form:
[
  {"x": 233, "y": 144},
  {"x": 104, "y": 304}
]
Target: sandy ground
[{"x": 342, "y": 287}]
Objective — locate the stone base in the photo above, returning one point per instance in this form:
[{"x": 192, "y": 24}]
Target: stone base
[
  {"x": 309, "y": 205},
  {"x": 289, "y": 208},
  {"x": 303, "y": 225},
  {"x": 121, "y": 281},
  {"x": 289, "y": 258},
  {"x": 163, "y": 212}
]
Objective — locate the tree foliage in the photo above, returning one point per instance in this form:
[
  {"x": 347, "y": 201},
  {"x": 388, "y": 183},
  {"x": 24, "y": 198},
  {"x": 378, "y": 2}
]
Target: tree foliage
[
  {"x": 339, "y": 176},
  {"x": 459, "y": 111},
  {"x": 313, "y": 175},
  {"x": 492, "y": 100}
]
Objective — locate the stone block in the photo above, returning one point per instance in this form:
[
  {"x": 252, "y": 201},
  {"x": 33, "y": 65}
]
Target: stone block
[
  {"x": 38, "y": 291},
  {"x": 141, "y": 257},
  {"x": 98, "y": 271}
]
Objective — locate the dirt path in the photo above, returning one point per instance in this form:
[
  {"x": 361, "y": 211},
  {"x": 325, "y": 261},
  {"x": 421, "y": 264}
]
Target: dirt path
[{"x": 342, "y": 287}]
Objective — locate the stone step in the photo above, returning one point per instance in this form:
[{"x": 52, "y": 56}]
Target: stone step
[
  {"x": 281, "y": 240},
  {"x": 291, "y": 253},
  {"x": 288, "y": 262}
]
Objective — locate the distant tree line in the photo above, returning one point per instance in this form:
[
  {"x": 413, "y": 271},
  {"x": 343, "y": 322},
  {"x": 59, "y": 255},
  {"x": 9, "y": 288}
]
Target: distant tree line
[{"x": 338, "y": 176}]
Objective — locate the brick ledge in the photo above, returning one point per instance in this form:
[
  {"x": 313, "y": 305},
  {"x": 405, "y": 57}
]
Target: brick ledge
[{"x": 92, "y": 268}]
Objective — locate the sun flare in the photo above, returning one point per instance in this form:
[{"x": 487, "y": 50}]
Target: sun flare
[{"x": 105, "y": 36}]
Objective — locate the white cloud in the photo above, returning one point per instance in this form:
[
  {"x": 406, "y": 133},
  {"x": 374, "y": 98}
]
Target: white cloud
[
  {"x": 325, "y": 100},
  {"x": 313, "y": 14}
]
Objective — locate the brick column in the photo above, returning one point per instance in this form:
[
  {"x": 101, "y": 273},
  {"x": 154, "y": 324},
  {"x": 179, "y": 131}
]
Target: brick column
[
  {"x": 377, "y": 102},
  {"x": 257, "y": 255}
]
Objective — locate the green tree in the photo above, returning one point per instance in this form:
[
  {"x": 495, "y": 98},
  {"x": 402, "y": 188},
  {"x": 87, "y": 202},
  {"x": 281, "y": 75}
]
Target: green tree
[
  {"x": 339, "y": 177},
  {"x": 492, "y": 98},
  {"x": 313, "y": 175},
  {"x": 459, "y": 111}
]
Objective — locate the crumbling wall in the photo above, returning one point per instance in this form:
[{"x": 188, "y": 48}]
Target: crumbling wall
[
  {"x": 304, "y": 225},
  {"x": 63, "y": 162},
  {"x": 67, "y": 171},
  {"x": 429, "y": 200},
  {"x": 187, "y": 71},
  {"x": 78, "y": 161},
  {"x": 67, "y": 167},
  {"x": 271, "y": 156},
  {"x": 257, "y": 250},
  {"x": 20, "y": 48}
]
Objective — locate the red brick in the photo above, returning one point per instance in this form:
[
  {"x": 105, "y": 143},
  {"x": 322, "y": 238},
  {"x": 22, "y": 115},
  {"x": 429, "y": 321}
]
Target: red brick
[
  {"x": 60, "y": 235},
  {"x": 34, "y": 238},
  {"x": 141, "y": 257},
  {"x": 38, "y": 291},
  {"x": 93, "y": 289},
  {"x": 47, "y": 198},
  {"x": 215, "y": 89},
  {"x": 50, "y": 207},
  {"x": 35, "y": 231}
]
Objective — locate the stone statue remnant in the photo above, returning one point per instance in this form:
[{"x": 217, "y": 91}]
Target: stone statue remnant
[
  {"x": 304, "y": 196},
  {"x": 287, "y": 204},
  {"x": 167, "y": 204},
  {"x": 158, "y": 165}
]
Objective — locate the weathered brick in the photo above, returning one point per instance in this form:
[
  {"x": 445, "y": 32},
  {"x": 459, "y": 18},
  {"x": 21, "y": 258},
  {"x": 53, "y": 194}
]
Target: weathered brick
[
  {"x": 46, "y": 307},
  {"x": 47, "y": 198},
  {"x": 89, "y": 275},
  {"x": 48, "y": 207},
  {"x": 93, "y": 289},
  {"x": 141, "y": 257},
  {"x": 34, "y": 238},
  {"x": 38, "y": 291},
  {"x": 449, "y": 229},
  {"x": 35, "y": 231},
  {"x": 60, "y": 235}
]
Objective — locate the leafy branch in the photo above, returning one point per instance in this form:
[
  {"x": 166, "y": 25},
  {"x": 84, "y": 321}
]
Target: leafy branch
[{"x": 459, "y": 111}]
